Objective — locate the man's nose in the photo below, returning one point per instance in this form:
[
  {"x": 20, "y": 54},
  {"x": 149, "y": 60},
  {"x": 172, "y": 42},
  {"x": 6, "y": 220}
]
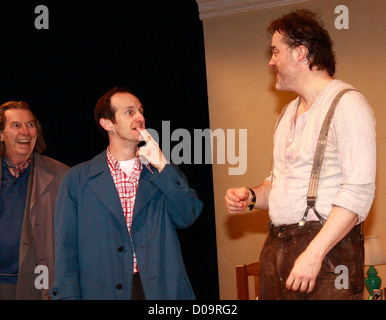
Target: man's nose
[
  {"x": 140, "y": 118},
  {"x": 24, "y": 130},
  {"x": 271, "y": 63}
]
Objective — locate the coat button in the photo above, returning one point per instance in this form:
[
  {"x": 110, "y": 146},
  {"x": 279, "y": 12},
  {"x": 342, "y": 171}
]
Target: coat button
[
  {"x": 120, "y": 248},
  {"x": 118, "y": 286}
]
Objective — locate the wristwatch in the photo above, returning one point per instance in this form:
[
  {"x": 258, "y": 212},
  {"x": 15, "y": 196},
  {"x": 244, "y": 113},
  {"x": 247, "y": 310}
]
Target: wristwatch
[{"x": 253, "y": 201}]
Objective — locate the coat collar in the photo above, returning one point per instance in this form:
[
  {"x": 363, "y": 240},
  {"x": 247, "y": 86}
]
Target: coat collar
[{"x": 43, "y": 172}]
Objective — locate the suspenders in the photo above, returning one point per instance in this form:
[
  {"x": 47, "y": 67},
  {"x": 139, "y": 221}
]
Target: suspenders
[{"x": 318, "y": 159}]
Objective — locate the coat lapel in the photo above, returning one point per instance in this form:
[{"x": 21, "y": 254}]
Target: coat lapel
[
  {"x": 102, "y": 184},
  {"x": 43, "y": 174},
  {"x": 145, "y": 190},
  {"x": 39, "y": 179}
]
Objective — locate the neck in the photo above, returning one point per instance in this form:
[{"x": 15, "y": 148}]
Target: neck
[
  {"x": 122, "y": 154},
  {"x": 310, "y": 88},
  {"x": 17, "y": 160}
]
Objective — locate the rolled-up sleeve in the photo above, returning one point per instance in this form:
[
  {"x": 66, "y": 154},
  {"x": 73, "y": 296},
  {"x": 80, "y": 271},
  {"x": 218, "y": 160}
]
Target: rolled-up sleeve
[{"x": 356, "y": 137}]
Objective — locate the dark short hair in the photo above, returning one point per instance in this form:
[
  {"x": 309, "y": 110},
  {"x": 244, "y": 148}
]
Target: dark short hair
[
  {"x": 303, "y": 27},
  {"x": 104, "y": 109},
  {"x": 40, "y": 145}
]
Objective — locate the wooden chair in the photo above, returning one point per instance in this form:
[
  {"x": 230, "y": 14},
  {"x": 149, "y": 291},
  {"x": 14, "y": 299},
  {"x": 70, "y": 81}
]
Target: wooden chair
[{"x": 243, "y": 272}]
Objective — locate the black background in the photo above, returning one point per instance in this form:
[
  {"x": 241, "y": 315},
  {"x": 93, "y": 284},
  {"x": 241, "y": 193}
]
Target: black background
[{"x": 155, "y": 48}]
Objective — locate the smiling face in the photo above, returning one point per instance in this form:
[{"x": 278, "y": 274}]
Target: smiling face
[
  {"x": 283, "y": 63},
  {"x": 19, "y": 135},
  {"x": 128, "y": 117}
]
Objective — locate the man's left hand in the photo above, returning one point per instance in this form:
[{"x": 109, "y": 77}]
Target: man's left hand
[
  {"x": 151, "y": 152},
  {"x": 304, "y": 273}
]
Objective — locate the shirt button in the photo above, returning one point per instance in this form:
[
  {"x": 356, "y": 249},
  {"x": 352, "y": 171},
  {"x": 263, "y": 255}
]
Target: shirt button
[
  {"x": 120, "y": 248},
  {"x": 118, "y": 286}
]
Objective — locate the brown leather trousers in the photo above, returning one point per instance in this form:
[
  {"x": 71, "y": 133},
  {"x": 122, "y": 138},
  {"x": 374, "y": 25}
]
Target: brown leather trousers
[{"x": 340, "y": 278}]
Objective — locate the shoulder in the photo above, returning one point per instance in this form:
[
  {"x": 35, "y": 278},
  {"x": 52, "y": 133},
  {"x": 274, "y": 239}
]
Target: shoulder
[
  {"x": 352, "y": 94},
  {"x": 353, "y": 115},
  {"x": 50, "y": 163},
  {"x": 352, "y": 103},
  {"x": 91, "y": 167}
]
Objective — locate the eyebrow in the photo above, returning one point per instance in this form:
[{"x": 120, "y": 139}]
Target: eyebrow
[
  {"x": 134, "y": 107},
  {"x": 15, "y": 121}
]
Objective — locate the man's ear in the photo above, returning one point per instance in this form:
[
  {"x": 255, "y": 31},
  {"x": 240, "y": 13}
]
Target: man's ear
[
  {"x": 301, "y": 53},
  {"x": 106, "y": 124}
]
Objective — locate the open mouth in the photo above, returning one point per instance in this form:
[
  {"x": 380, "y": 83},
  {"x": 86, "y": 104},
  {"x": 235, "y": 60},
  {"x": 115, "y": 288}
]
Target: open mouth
[
  {"x": 136, "y": 128},
  {"x": 24, "y": 141}
]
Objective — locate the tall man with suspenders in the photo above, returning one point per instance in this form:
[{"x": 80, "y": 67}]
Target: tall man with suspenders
[{"x": 322, "y": 183}]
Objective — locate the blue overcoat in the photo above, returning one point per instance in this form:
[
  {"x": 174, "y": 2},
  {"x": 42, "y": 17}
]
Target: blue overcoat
[{"x": 93, "y": 248}]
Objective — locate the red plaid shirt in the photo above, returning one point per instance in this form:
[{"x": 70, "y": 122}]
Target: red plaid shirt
[{"x": 127, "y": 189}]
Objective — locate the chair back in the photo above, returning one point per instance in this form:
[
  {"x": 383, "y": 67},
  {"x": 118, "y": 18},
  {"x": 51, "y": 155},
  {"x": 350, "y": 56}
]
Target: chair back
[{"x": 243, "y": 272}]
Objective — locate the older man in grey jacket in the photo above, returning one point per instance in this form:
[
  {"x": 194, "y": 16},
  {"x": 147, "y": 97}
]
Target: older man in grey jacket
[{"x": 29, "y": 185}]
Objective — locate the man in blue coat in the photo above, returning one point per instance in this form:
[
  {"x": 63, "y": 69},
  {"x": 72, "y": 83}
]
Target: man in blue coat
[{"x": 116, "y": 215}]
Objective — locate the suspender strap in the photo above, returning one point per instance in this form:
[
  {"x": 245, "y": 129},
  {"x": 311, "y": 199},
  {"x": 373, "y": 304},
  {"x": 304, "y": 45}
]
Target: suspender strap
[{"x": 318, "y": 159}]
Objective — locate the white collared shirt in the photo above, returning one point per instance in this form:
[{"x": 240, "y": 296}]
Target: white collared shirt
[{"x": 347, "y": 177}]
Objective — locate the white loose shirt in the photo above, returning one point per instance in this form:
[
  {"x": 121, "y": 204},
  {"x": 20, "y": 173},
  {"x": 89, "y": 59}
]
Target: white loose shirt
[{"x": 347, "y": 177}]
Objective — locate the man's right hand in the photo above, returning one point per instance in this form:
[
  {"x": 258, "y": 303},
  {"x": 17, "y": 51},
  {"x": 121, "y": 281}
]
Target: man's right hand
[{"x": 237, "y": 199}]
